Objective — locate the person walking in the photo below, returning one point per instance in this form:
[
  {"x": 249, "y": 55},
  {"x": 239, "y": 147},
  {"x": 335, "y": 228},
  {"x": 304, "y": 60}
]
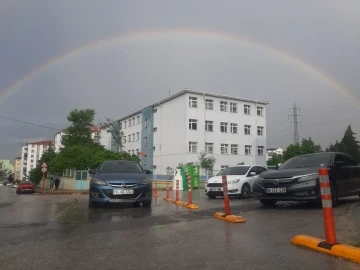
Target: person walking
[
  {"x": 57, "y": 183},
  {"x": 52, "y": 183}
]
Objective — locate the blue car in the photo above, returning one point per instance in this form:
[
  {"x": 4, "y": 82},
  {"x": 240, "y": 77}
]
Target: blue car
[{"x": 120, "y": 181}]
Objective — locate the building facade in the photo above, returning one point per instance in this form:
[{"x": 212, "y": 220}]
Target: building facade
[
  {"x": 31, "y": 154},
  {"x": 100, "y": 136},
  {"x": 271, "y": 151},
  {"x": 176, "y": 129},
  {"x": 17, "y": 168}
]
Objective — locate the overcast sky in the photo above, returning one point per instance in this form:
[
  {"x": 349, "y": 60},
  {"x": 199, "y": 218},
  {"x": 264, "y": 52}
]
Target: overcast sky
[{"x": 186, "y": 45}]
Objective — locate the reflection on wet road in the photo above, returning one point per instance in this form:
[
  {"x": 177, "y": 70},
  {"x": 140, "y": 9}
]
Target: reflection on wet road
[{"x": 61, "y": 232}]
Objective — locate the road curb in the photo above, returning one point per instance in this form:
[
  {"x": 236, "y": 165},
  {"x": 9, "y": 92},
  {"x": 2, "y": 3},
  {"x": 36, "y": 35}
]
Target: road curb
[
  {"x": 62, "y": 193},
  {"x": 339, "y": 250},
  {"x": 229, "y": 218}
]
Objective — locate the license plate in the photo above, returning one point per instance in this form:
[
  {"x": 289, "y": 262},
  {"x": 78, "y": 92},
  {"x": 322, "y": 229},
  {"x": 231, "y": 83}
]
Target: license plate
[
  {"x": 216, "y": 189},
  {"x": 276, "y": 190},
  {"x": 123, "y": 191}
]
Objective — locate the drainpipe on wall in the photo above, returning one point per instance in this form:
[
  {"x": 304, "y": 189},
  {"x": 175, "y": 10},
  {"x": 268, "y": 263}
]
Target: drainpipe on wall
[
  {"x": 160, "y": 139},
  {"x": 256, "y": 128}
]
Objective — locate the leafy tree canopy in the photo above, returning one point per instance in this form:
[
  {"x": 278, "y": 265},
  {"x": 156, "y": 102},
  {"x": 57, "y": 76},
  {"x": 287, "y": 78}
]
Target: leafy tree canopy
[
  {"x": 206, "y": 162},
  {"x": 307, "y": 146}
]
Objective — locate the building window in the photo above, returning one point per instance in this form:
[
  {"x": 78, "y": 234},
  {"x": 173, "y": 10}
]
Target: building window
[
  {"x": 233, "y": 107},
  {"x": 133, "y": 137},
  {"x": 32, "y": 161},
  {"x": 260, "y": 131},
  {"x": 223, "y": 127},
  {"x": 146, "y": 123},
  {"x": 124, "y": 139},
  {"x": 137, "y": 151},
  {"x": 193, "y": 124},
  {"x": 223, "y": 106},
  {"x": 154, "y": 167},
  {"x": 260, "y": 150},
  {"x": 247, "y": 109},
  {"x": 192, "y": 147},
  {"x": 138, "y": 119},
  {"x": 138, "y": 136},
  {"x": 224, "y": 148},
  {"x": 133, "y": 121},
  {"x": 155, "y": 129},
  {"x": 129, "y": 151},
  {"x": 248, "y": 150},
  {"x": 192, "y": 102},
  {"x": 234, "y": 149},
  {"x": 124, "y": 124},
  {"x": 209, "y": 104},
  {"x": 32, "y": 151},
  {"x": 209, "y": 148},
  {"x": 247, "y": 130},
  {"x": 233, "y": 128},
  {"x": 260, "y": 111},
  {"x": 129, "y": 138},
  {"x": 209, "y": 125},
  {"x": 32, "y": 156},
  {"x": 145, "y": 141},
  {"x": 155, "y": 110},
  {"x": 153, "y": 148},
  {"x": 223, "y": 167},
  {"x": 133, "y": 152},
  {"x": 31, "y": 166}
]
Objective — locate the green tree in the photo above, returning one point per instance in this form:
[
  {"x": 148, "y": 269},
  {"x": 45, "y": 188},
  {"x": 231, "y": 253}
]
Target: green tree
[
  {"x": 10, "y": 178},
  {"x": 35, "y": 175},
  {"x": 349, "y": 145},
  {"x": 307, "y": 146},
  {"x": 113, "y": 128},
  {"x": 206, "y": 162},
  {"x": 79, "y": 132},
  {"x": 275, "y": 160},
  {"x": 334, "y": 147}
]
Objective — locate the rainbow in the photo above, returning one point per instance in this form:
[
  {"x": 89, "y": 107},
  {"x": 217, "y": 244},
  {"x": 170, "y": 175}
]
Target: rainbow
[{"x": 120, "y": 39}]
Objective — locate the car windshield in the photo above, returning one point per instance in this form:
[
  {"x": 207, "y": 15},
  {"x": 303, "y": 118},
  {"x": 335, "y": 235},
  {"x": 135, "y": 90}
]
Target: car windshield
[
  {"x": 26, "y": 183},
  {"x": 120, "y": 167},
  {"x": 306, "y": 161},
  {"x": 235, "y": 170}
]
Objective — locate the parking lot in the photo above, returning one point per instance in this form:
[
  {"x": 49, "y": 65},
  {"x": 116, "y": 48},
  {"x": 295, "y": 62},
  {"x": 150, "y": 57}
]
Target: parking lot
[{"x": 61, "y": 232}]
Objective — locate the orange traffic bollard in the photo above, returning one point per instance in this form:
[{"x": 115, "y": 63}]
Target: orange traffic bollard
[
  {"x": 155, "y": 190},
  {"x": 326, "y": 199},
  {"x": 177, "y": 196},
  {"x": 189, "y": 205},
  {"x": 227, "y": 216},
  {"x": 167, "y": 198}
]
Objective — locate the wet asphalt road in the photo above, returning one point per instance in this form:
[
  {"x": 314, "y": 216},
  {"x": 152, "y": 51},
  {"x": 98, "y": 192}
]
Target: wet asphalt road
[{"x": 61, "y": 232}]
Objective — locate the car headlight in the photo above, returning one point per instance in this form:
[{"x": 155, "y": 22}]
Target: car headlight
[
  {"x": 308, "y": 177},
  {"x": 234, "y": 181},
  {"x": 99, "y": 182},
  {"x": 145, "y": 182}
]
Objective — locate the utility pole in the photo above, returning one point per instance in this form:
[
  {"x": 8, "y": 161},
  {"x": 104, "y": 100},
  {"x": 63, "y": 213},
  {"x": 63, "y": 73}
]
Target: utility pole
[{"x": 295, "y": 121}]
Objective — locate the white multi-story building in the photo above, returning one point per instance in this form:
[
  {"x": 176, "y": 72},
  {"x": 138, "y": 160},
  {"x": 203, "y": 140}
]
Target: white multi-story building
[
  {"x": 98, "y": 135},
  {"x": 271, "y": 151},
  {"x": 175, "y": 130},
  {"x": 31, "y": 154}
]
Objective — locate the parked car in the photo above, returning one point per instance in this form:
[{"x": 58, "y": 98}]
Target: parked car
[
  {"x": 298, "y": 180},
  {"x": 120, "y": 181},
  {"x": 240, "y": 180},
  {"x": 25, "y": 187}
]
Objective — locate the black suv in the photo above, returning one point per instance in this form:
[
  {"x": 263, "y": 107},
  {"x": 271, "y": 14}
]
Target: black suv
[{"x": 298, "y": 180}]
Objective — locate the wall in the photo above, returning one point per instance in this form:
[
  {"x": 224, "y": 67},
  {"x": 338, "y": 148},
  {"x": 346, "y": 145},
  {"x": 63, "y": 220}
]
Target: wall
[
  {"x": 106, "y": 139},
  {"x": 170, "y": 136},
  {"x": 134, "y": 145},
  {"x": 217, "y": 138}
]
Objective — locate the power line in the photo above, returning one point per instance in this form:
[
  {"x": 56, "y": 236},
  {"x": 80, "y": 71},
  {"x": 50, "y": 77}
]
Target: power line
[
  {"x": 28, "y": 123},
  {"x": 295, "y": 114}
]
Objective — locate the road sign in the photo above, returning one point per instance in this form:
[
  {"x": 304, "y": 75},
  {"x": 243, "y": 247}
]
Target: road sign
[
  {"x": 44, "y": 165},
  {"x": 44, "y": 170}
]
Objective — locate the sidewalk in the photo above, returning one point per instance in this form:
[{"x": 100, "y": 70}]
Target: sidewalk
[{"x": 61, "y": 192}]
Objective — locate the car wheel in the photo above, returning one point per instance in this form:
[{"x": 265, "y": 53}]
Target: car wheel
[
  {"x": 211, "y": 196},
  {"x": 268, "y": 202},
  {"x": 334, "y": 194},
  {"x": 92, "y": 204},
  {"x": 245, "y": 191},
  {"x": 17, "y": 192},
  {"x": 146, "y": 204}
]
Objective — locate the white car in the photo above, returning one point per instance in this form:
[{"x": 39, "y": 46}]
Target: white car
[{"x": 240, "y": 181}]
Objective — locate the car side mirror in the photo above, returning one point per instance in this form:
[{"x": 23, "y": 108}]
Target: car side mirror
[
  {"x": 148, "y": 172},
  {"x": 92, "y": 171},
  {"x": 252, "y": 174}
]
